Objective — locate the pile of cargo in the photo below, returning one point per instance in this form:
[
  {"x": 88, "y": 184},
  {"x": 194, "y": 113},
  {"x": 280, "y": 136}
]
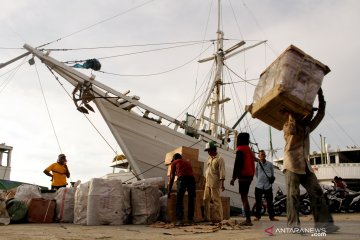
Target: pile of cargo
[
  {"x": 191, "y": 155},
  {"x": 97, "y": 202},
  {"x": 104, "y": 201}
]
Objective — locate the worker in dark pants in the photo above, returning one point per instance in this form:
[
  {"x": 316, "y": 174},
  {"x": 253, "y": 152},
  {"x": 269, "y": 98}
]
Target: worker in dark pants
[
  {"x": 185, "y": 182},
  {"x": 298, "y": 170},
  {"x": 263, "y": 171}
]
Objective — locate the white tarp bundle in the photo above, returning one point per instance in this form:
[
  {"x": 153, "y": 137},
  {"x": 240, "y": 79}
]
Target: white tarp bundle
[
  {"x": 163, "y": 208},
  {"x": 145, "y": 203},
  {"x": 25, "y": 192},
  {"x": 127, "y": 203},
  {"x": 80, "y": 203},
  {"x": 155, "y": 181},
  {"x": 65, "y": 204},
  {"x": 105, "y": 202}
]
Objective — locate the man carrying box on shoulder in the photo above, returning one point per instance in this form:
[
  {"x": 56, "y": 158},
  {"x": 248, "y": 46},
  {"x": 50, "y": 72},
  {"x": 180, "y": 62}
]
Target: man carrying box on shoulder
[{"x": 298, "y": 170}]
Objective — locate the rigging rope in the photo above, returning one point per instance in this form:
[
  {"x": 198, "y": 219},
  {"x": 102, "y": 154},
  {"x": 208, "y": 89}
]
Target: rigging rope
[
  {"x": 100, "y": 22},
  {"x": 243, "y": 79},
  {"x": 342, "y": 128},
  {"x": 255, "y": 20},
  {"x": 12, "y": 73},
  {"x": 202, "y": 46},
  {"x": 186, "y": 108},
  {"x": 154, "y": 166},
  {"x": 133, "y": 53},
  {"x": 236, "y": 21},
  {"x": 158, "y": 73},
  {"x": 47, "y": 108},
  {"x": 125, "y": 46},
  {"x": 57, "y": 79}
]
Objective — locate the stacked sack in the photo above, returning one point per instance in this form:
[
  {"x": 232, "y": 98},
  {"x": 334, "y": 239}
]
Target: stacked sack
[{"x": 110, "y": 202}]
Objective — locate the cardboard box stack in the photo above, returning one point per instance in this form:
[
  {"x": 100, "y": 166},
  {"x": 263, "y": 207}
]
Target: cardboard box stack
[
  {"x": 171, "y": 207},
  {"x": 291, "y": 83},
  {"x": 192, "y": 155}
]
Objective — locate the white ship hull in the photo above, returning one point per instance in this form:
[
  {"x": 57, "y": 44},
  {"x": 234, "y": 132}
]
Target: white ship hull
[{"x": 145, "y": 144}]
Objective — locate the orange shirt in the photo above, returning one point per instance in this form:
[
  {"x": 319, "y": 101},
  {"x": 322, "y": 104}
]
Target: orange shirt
[{"x": 59, "y": 174}]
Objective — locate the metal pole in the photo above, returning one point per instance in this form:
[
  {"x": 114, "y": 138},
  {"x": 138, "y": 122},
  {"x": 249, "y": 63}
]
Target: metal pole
[
  {"x": 14, "y": 60},
  {"x": 321, "y": 150}
]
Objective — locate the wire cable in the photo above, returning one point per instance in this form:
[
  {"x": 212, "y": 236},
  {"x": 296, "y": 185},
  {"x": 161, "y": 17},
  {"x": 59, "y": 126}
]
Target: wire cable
[
  {"x": 342, "y": 129},
  {"x": 97, "y": 130},
  {"x": 158, "y": 73},
  {"x": 100, "y": 22},
  {"x": 125, "y": 46},
  {"x": 47, "y": 108},
  {"x": 11, "y": 73}
]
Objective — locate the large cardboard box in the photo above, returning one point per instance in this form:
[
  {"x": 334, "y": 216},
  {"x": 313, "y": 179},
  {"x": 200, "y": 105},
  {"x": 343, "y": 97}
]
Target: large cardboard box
[
  {"x": 290, "y": 83},
  {"x": 191, "y": 155},
  {"x": 186, "y": 152},
  {"x": 171, "y": 207},
  {"x": 225, "y": 203}
]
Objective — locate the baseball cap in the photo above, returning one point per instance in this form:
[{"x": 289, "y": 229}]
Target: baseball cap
[{"x": 210, "y": 145}]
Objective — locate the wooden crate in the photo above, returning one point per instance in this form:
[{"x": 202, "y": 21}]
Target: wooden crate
[
  {"x": 171, "y": 207},
  {"x": 186, "y": 152},
  {"x": 225, "y": 203},
  {"x": 290, "y": 83}
]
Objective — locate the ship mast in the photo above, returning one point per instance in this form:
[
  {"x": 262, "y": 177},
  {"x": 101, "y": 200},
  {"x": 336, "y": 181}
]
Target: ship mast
[
  {"x": 213, "y": 100},
  {"x": 216, "y": 97},
  {"x": 214, "y": 112}
]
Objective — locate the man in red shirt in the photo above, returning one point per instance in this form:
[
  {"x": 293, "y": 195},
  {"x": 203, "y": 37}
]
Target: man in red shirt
[
  {"x": 340, "y": 186},
  {"x": 185, "y": 182},
  {"x": 244, "y": 171}
]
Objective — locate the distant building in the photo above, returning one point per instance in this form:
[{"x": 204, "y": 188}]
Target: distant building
[
  {"x": 5, "y": 163},
  {"x": 344, "y": 163}
]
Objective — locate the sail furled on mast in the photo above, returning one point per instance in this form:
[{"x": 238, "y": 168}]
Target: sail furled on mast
[{"x": 93, "y": 64}]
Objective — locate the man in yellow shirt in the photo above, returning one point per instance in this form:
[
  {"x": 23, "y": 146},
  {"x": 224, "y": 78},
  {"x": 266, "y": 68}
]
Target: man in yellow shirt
[{"x": 59, "y": 173}]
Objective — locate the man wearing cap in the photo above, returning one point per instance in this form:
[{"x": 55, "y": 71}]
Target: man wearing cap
[
  {"x": 215, "y": 176},
  {"x": 59, "y": 173}
]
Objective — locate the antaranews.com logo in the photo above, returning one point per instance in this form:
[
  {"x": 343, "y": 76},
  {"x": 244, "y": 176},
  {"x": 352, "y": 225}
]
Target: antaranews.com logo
[{"x": 314, "y": 232}]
